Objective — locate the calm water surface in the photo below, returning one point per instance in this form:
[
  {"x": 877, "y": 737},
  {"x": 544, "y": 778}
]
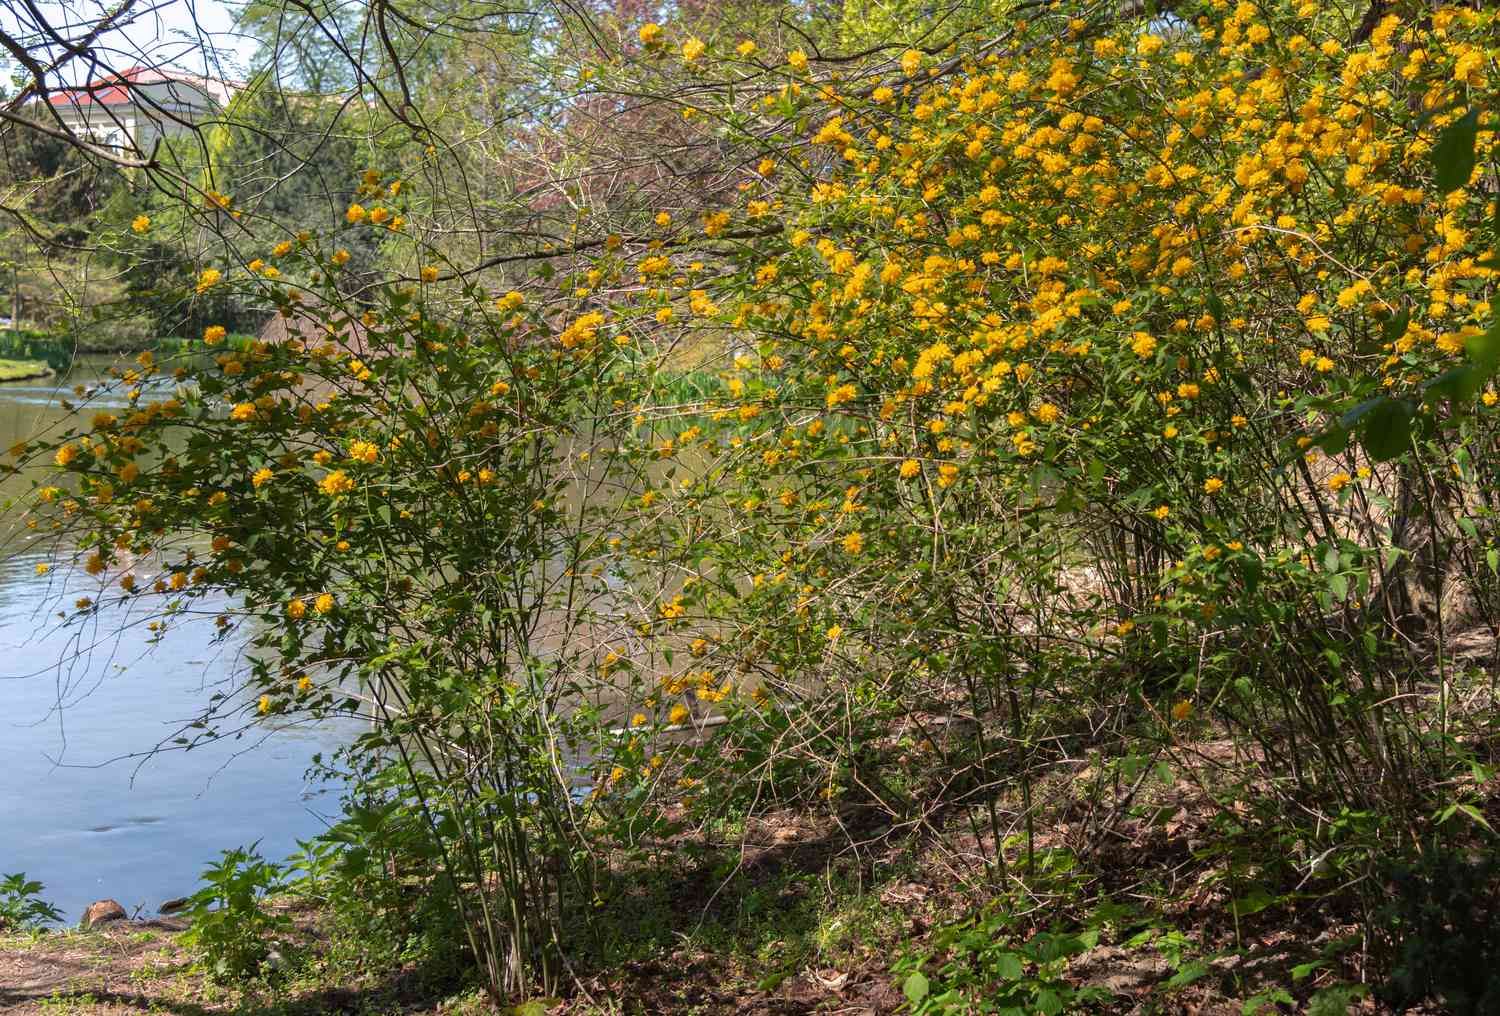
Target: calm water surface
[{"x": 82, "y": 806}]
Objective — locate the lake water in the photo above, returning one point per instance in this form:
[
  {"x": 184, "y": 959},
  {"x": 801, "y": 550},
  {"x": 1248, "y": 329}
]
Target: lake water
[{"x": 85, "y": 806}]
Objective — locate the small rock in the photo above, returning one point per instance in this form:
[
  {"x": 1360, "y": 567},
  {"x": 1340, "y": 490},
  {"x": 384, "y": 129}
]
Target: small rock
[
  {"x": 102, "y": 912},
  {"x": 173, "y": 906}
]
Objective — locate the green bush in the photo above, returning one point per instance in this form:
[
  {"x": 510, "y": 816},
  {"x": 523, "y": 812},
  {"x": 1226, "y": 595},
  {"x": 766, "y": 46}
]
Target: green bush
[
  {"x": 232, "y": 930},
  {"x": 22, "y": 906}
]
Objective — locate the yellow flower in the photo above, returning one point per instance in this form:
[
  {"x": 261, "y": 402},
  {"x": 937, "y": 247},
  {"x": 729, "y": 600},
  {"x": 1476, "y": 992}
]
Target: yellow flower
[
  {"x": 261, "y": 476},
  {"x": 692, "y": 49},
  {"x": 650, "y": 33},
  {"x": 336, "y": 483},
  {"x": 324, "y": 603},
  {"x": 911, "y": 62},
  {"x": 43, "y": 568},
  {"x": 429, "y": 273},
  {"x": 910, "y": 468},
  {"x": 834, "y": 632},
  {"x": 304, "y": 683},
  {"x": 509, "y": 302},
  {"x": 141, "y": 223},
  {"x": 854, "y": 543},
  {"x": 1213, "y": 485},
  {"x": 1046, "y": 413},
  {"x": 745, "y": 48},
  {"x": 638, "y": 720},
  {"x": 356, "y": 213},
  {"x": 1338, "y": 481},
  {"x": 363, "y": 451},
  {"x": 208, "y": 279},
  {"x": 127, "y": 583},
  {"x": 213, "y": 335},
  {"x": 95, "y": 564},
  {"x": 663, "y": 219},
  {"x": 1161, "y": 512},
  {"x": 296, "y": 610},
  {"x": 678, "y": 714},
  {"x": 282, "y": 249},
  {"x": 244, "y": 411},
  {"x": 797, "y": 59},
  {"x": 66, "y": 454},
  {"x": 340, "y": 257},
  {"x": 265, "y": 704},
  {"x": 1124, "y": 628},
  {"x": 1142, "y": 345},
  {"x": 1182, "y": 710}
]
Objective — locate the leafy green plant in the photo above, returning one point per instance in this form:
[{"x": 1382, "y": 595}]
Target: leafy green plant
[
  {"x": 997, "y": 960},
  {"x": 1014, "y": 976},
  {"x": 1443, "y": 929},
  {"x": 373, "y": 877},
  {"x": 21, "y": 905},
  {"x": 232, "y": 931}
]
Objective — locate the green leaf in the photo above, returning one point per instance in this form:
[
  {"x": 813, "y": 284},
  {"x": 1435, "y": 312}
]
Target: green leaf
[
  {"x": 1473, "y": 813},
  {"x": 1385, "y": 431},
  {"x": 1334, "y": 440},
  {"x": 535, "y": 1007},
  {"x": 1253, "y": 902},
  {"x": 1335, "y": 1001},
  {"x": 1250, "y": 570},
  {"x": 1189, "y": 973},
  {"x": 1453, "y": 155},
  {"x": 1048, "y": 1002},
  {"x": 1458, "y": 385},
  {"x": 1008, "y": 967},
  {"x": 1393, "y": 327},
  {"x": 1265, "y": 998},
  {"x": 1484, "y": 348},
  {"x": 916, "y": 987}
]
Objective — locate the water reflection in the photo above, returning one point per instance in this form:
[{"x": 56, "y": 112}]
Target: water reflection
[{"x": 86, "y": 806}]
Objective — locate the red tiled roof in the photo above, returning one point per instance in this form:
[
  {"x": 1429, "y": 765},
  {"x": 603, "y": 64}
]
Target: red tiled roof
[{"x": 113, "y": 90}]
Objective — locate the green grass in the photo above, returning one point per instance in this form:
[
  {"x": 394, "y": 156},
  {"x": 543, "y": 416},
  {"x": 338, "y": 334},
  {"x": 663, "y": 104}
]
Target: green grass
[{"x": 17, "y": 370}]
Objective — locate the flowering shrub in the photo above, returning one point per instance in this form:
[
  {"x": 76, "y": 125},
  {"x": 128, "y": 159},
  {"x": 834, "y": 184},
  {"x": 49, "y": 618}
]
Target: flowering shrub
[
  {"x": 391, "y": 493},
  {"x": 1072, "y": 392},
  {"x": 1120, "y": 373}
]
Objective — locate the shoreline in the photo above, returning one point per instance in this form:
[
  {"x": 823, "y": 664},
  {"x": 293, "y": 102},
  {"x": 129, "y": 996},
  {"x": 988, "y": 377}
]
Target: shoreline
[{"x": 25, "y": 370}]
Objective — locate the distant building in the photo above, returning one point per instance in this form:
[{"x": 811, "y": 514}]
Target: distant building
[{"x": 135, "y": 107}]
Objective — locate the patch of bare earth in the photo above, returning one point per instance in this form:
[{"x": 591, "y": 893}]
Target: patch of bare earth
[{"x": 123, "y": 967}]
